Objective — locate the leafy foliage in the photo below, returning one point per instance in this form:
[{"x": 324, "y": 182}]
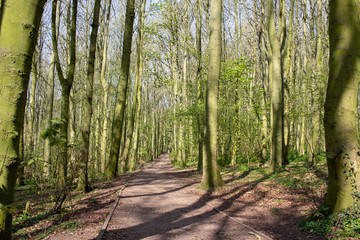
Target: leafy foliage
[{"x": 53, "y": 132}]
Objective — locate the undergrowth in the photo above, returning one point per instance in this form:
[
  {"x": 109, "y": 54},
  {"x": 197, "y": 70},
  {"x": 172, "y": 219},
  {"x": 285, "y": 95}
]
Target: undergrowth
[{"x": 343, "y": 225}]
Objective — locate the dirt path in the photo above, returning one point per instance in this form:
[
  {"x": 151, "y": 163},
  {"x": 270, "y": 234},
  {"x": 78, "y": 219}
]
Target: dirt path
[{"x": 155, "y": 205}]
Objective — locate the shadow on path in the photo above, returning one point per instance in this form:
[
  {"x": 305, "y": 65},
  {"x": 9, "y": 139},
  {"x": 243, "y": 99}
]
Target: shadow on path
[{"x": 176, "y": 215}]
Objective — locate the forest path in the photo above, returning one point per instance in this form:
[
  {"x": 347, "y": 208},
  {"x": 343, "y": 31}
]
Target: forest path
[{"x": 155, "y": 205}]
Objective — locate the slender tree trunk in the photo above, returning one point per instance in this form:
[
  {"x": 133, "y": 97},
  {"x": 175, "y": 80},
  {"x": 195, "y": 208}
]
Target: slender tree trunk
[
  {"x": 128, "y": 142},
  {"x": 285, "y": 43},
  {"x": 199, "y": 117},
  {"x": 66, "y": 85},
  {"x": 50, "y": 95},
  {"x": 315, "y": 101},
  {"x": 174, "y": 70},
  {"x": 211, "y": 175},
  {"x": 105, "y": 86},
  {"x": 31, "y": 117},
  {"x": 341, "y": 104},
  {"x": 112, "y": 166},
  {"x": 264, "y": 83},
  {"x": 153, "y": 136},
  {"x": 276, "y": 89},
  {"x": 304, "y": 68},
  {"x": 236, "y": 19},
  {"x": 83, "y": 184},
  {"x": 183, "y": 102},
  {"x": 125, "y": 154},
  {"x": 18, "y": 37},
  {"x": 138, "y": 88}
]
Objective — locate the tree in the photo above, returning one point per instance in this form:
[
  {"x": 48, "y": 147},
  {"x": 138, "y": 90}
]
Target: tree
[
  {"x": 211, "y": 175},
  {"x": 112, "y": 166},
  {"x": 83, "y": 184},
  {"x": 199, "y": 116},
  {"x": 66, "y": 85},
  {"x": 341, "y": 105},
  {"x": 19, "y": 25},
  {"x": 138, "y": 88},
  {"x": 276, "y": 89},
  {"x": 136, "y": 97},
  {"x": 105, "y": 86},
  {"x": 50, "y": 93}
]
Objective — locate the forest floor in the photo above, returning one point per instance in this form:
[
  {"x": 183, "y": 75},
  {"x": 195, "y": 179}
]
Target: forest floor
[{"x": 163, "y": 202}]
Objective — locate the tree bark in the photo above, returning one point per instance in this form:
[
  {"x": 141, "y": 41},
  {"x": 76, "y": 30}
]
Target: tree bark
[
  {"x": 105, "y": 86},
  {"x": 341, "y": 105},
  {"x": 200, "y": 117},
  {"x": 66, "y": 85},
  {"x": 50, "y": 94},
  {"x": 211, "y": 176},
  {"x": 83, "y": 184},
  {"x": 112, "y": 166},
  {"x": 18, "y": 37},
  {"x": 138, "y": 89},
  {"x": 276, "y": 89}
]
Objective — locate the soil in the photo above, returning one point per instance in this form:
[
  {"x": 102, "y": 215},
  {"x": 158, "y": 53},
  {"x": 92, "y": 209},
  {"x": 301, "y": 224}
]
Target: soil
[{"x": 161, "y": 202}]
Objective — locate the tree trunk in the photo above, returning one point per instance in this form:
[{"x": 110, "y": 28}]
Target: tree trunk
[
  {"x": 83, "y": 184},
  {"x": 66, "y": 85},
  {"x": 138, "y": 89},
  {"x": 315, "y": 100},
  {"x": 341, "y": 105},
  {"x": 211, "y": 176},
  {"x": 276, "y": 89},
  {"x": 31, "y": 117},
  {"x": 199, "y": 117},
  {"x": 105, "y": 86},
  {"x": 112, "y": 167},
  {"x": 50, "y": 95},
  {"x": 18, "y": 37}
]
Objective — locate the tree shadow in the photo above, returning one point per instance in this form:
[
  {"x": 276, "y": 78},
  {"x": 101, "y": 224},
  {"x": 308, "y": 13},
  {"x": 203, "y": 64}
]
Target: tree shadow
[
  {"x": 244, "y": 174},
  {"x": 164, "y": 224},
  {"x": 95, "y": 203}
]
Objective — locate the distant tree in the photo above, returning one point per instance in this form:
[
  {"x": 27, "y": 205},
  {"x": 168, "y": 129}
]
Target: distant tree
[
  {"x": 66, "y": 85},
  {"x": 138, "y": 87},
  {"x": 50, "y": 89}
]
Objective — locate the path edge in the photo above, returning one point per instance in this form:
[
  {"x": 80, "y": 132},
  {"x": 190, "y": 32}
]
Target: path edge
[{"x": 108, "y": 218}]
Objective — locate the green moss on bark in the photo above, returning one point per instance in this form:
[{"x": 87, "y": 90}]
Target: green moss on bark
[{"x": 18, "y": 36}]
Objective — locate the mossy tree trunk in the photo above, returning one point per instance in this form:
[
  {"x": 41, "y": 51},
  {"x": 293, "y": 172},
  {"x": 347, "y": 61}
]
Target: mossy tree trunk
[
  {"x": 341, "y": 104},
  {"x": 18, "y": 37},
  {"x": 127, "y": 164},
  {"x": 315, "y": 121},
  {"x": 174, "y": 31},
  {"x": 183, "y": 95},
  {"x": 112, "y": 166},
  {"x": 50, "y": 95},
  {"x": 199, "y": 116},
  {"x": 138, "y": 89},
  {"x": 83, "y": 184},
  {"x": 211, "y": 176},
  {"x": 105, "y": 86},
  {"x": 276, "y": 91},
  {"x": 66, "y": 85}
]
